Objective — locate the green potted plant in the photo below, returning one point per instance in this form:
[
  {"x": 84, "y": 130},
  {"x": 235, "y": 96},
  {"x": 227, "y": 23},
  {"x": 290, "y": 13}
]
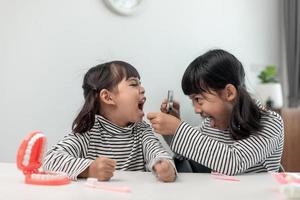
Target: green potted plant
[
  {"x": 269, "y": 90},
  {"x": 268, "y": 75}
]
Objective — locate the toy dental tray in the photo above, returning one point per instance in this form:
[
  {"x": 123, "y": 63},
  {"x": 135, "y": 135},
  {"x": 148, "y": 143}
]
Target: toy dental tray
[
  {"x": 29, "y": 160},
  {"x": 289, "y": 184}
]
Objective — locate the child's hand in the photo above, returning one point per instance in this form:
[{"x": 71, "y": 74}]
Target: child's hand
[
  {"x": 162, "y": 123},
  {"x": 165, "y": 171},
  {"x": 102, "y": 168},
  {"x": 175, "y": 110}
]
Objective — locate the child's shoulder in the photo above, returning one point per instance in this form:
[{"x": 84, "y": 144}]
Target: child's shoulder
[
  {"x": 267, "y": 113},
  {"x": 270, "y": 114},
  {"x": 79, "y": 135},
  {"x": 270, "y": 118}
]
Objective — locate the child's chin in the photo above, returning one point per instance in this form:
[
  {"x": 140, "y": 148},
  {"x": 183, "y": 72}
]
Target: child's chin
[{"x": 138, "y": 117}]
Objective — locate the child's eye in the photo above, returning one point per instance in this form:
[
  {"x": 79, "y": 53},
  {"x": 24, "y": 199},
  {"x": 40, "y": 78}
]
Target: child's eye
[
  {"x": 135, "y": 83},
  {"x": 198, "y": 99}
]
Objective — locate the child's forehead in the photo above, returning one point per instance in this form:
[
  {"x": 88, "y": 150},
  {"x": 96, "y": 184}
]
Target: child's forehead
[
  {"x": 195, "y": 95},
  {"x": 129, "y": 81}
]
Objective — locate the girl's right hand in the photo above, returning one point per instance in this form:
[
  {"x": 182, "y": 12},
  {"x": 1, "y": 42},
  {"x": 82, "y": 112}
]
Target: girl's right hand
[
  {"x": 175, "y": 111},
  {"x": 102, "y": 168}
]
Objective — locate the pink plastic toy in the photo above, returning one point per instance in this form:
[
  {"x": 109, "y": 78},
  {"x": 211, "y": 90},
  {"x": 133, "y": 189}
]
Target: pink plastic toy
[
  {"x": 29, "y": 160},
  {"x": 94, "y": 183}
]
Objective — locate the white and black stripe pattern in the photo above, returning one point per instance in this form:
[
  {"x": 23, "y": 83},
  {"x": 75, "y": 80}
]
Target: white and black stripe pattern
[
  {"x": 261, "y": 152},
  {"x": 135, "y": 148}
]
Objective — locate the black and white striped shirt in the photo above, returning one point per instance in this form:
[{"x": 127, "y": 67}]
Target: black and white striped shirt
[
  {"x": 135, "y": 148},
  {"x": 261, "y": 152}
]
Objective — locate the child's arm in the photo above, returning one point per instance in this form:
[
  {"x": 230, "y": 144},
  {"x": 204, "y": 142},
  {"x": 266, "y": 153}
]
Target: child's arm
[
  {"x": 233, "y": 158},
  {"x": 68, "y": 156},
  {"x": 156, "y": 157}
]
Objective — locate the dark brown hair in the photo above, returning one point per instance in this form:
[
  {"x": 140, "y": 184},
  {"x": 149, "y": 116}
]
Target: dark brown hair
[
  {"x": 212, "y": 71},
  {"x": 103, "y": 76}
]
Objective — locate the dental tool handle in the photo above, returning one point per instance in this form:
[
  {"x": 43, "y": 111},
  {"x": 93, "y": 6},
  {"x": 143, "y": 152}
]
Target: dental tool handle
[{"x": 170, "y": 101}]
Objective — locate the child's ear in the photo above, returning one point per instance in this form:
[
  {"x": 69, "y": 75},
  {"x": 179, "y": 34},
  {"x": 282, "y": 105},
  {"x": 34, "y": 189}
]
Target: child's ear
[
  {"x": 105, "y": 96},
  {"x": 230, "y": 92}
]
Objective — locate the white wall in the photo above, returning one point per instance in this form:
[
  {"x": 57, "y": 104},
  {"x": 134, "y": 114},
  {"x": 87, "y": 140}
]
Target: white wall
[{"x": 46, "y": 47}]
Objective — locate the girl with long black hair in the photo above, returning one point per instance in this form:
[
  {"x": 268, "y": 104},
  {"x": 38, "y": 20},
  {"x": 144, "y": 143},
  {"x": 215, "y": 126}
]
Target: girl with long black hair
[{"x": 238, "y": 135}]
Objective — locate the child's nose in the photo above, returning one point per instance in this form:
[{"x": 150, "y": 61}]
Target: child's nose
[
  {"x": 197, "y": 108},
  {"x": 142, "y": 90}
]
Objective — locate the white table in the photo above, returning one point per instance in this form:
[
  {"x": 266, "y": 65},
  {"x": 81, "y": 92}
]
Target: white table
[{"x": 144, "y": 185}]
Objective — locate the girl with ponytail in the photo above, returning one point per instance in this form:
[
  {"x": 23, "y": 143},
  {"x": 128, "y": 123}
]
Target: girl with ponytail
[
  {"x": 109, "y": 132},
  {"x": 238, "y": 135}
]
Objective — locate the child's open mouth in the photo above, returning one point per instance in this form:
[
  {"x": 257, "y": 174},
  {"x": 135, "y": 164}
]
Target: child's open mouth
[
  {"x": 141, "y": 103},
  {"x": 141, "y": 107},
  {"x": 212, "y": 120}
]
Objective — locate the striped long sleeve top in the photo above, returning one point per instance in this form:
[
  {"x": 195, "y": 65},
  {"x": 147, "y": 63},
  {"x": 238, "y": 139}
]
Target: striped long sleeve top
[
  {"x": 261, "y": 152},
  {"x": 135, "y": 148}
]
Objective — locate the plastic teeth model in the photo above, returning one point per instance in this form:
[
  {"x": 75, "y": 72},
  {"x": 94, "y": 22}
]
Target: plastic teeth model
[{"x": 29, "y": 160}]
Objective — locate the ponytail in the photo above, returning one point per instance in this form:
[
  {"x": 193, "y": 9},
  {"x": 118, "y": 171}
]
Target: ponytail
[
  {"x": 245, "y": 117},
  {"x": 86, "y": 117}
]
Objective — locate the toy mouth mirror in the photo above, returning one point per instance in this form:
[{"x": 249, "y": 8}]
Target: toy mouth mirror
[
  {"x": 29, "y": 160},
  {"x": 170, "y": 101}
]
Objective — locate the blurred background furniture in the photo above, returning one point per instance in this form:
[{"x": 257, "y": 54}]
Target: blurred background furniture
[{"x": 291, "y": 152}]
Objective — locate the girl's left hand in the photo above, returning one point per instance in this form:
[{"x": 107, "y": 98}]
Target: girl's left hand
[
  {"x": 165, "y": 171},
  {"x": 163, "y": 123}
]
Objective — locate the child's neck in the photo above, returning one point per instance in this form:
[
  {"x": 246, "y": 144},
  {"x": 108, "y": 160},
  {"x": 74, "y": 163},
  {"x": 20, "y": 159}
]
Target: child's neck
[{"x": 114, "y": 118}]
